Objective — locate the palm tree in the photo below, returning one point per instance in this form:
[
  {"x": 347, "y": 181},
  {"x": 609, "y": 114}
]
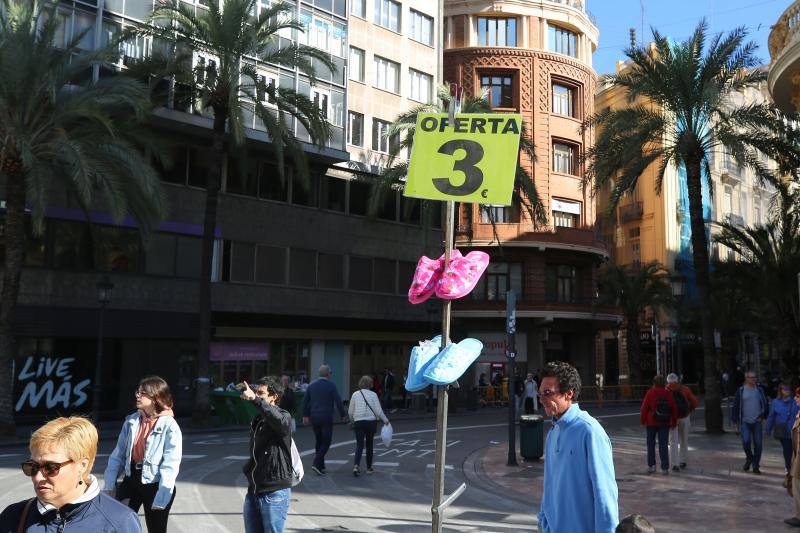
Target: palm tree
[
  {"x": 634, "y": 291},
  {"x": 229, "y": 85},
  {"x": 685, "y": 116},
  {"x": 56, "y": 135},
  {"x": 767, "y": 264},
  {"x": 405, "y": 126}
]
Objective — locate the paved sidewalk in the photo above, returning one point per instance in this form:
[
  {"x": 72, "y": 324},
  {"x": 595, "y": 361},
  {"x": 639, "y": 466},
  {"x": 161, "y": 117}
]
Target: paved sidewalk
[{"x": 712, "y": 494}]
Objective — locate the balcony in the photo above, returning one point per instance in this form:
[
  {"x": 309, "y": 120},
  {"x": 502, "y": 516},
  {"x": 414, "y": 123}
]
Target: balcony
[
  {"x": 630, "y": 212},
  {"x": 734, "y": 220},
  {"x": 784, "y": 50},
  {"x": 578, "y": 5}
]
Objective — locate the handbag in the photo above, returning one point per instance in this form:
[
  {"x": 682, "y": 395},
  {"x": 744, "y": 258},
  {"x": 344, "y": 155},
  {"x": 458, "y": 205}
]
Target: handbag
[{"x": 779, "y": 431}]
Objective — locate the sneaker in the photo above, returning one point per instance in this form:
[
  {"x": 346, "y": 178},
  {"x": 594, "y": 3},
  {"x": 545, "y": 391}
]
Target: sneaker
[
  {"x": 370, "y": 470},
  {"x": 683, "y": 465},
  {"x": 746, "y": 466},
  {"x": 665, "y": 472},
  {"x": 794, "y": 522},
  {"x": 676, "y": 469},
  {"x": 317, "y": 471},
  {"x": 356, "y": 470},
  {"x": 756, "y": 470},
  {"x": 651, "y": 469}
]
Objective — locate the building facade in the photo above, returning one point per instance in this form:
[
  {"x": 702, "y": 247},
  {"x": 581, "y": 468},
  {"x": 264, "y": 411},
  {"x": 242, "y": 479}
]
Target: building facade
[
  {"x": 532, "y": 58},
  {"x": 302, "y": 275},
  {"x": 784, "y": 68},
  {"x": 650, "y": 226}
]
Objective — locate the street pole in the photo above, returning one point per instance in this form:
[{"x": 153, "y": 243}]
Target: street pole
[
  {"x": 656, "y": 335},
  {"x": 441, "y": 403},
  {"x": 511, "y": 354},
  {"x": 104, "y": 287}
]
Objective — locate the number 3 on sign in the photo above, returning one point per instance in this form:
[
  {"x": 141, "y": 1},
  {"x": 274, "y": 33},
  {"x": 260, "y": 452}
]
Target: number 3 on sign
[{"x": 473, "y": 160}]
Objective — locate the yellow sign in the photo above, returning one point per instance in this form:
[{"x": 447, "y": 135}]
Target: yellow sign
[{"x": 473, "y": 160}]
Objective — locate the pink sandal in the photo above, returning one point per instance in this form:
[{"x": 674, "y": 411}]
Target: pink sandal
[
  {"x": 461, "y": 274},
  {"x": 425, "y": 278}
]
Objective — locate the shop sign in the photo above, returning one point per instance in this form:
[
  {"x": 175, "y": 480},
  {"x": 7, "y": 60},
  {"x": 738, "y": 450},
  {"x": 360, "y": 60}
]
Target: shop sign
[
  {"x": 48, "y": 382},
  {"x": 495, "y": 346},
  {"x": 472, "y": 160},
  {"x": 239, "y": 351}
]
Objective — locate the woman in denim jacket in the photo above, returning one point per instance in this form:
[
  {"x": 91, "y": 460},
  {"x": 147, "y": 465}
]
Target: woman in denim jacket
[{"x": 148, "y": 451}]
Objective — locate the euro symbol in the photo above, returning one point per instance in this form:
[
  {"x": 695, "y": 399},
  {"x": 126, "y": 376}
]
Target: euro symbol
[
  {"x": 473, "y": 153},
  {"x": 485, "y": 193}
]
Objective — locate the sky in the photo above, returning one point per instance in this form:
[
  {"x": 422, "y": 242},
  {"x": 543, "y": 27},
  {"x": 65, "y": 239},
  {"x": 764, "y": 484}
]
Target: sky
[{"x": 677, "y": 19}]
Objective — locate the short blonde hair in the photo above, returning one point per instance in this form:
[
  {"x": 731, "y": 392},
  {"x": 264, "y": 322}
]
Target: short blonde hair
[
  {"x": 365, "y": 382},
  {"x": 75, "y": 435}
]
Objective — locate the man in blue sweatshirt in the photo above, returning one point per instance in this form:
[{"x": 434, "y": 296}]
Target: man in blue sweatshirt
[
  {"x": 318, "y": 403},
  {"x": 580, "y": 490}
]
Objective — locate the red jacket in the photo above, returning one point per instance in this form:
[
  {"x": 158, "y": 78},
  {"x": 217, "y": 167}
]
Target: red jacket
[{"x": 649, "y": 407}]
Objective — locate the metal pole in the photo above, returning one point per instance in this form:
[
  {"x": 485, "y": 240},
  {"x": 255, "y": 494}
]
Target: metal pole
[
  {"x": 441, "y": 407},
  {"x": 98, "y": 364},
  {"x": 657, "y": 334},
  {"x": 511, "y": 354}
]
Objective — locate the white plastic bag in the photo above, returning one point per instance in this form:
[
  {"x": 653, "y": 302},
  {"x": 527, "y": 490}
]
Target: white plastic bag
[
  {"x": 386, "y": 434},
  {"x": 297, "y": 466}
]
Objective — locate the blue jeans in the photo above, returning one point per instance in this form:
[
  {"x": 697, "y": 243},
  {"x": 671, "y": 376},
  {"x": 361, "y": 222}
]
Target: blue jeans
[
  {"x": 663, "y": 450},
  {"x": 751, "y": 436},
  {"x": 323, "y": 435},
  {"x": 266, "y": 512}
]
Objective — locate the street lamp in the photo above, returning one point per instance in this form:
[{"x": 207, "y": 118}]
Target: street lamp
[
  {"x": 678, "y": 284},
  {"x": 104, "y": 287}
]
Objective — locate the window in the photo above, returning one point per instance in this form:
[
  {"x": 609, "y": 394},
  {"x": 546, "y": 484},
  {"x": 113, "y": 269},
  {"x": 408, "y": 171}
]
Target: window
[
  {"x": 242, "y": 176},
  {"x": 333, "y": 193},
  {"x": 271, "y": 186},
  {"x": 356, "y": 64},
  {"x": 421, "y": 27},
  {"x": 319, "y": 34},
  {"x": 242, "y": 261},
  {"x": 563, "y": 158},
  {"x": 500, "y": 89},
  {"x": 743, "y": 206},
  {"x": 499, "y": 214},
  {"x": 563, "y": 100},
  {"x": 270, "y": 264},
  {"x": 359, "y": 197},
  {"x": 757, "y": 210},
  {"x": 727, "y": 200},
  {"x": 360, "y": 278},
  {"x": 562, "y": 41},
  {"x": 302, "y": 268},
  {"x": 304, "y": 191},
  {"x": 355, "y": 128},
  {"x": 497, "y": 31},
  {"x": 421, "y": 86},
  {"x": 566, "y": 213},
  {"x": 498, "y": 280},
  {"x": 330, "y": 271},
  {"x": 387, "y": 14},
  {"x": 380, "y": 141},
  {"x": 385, "y": 275},
  {"x": 387, "y": 75},
  {"x": 265, "y": 88},
  {"x": 359, "y": 8},
  {"x": 562, "y": 281},
  {"x": 321, "y": 101}
]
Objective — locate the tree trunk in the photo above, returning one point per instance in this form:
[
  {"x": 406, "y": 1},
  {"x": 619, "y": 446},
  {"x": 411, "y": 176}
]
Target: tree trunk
[
  {"x": 15, "y": 246},
  {"x": 202, "y": 410},
  {"x": 634, "y": 348},
  {"x": 713, "y": 401}
]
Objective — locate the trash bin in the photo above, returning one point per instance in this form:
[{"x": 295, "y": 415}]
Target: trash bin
[{"x": 531, "y": 437}]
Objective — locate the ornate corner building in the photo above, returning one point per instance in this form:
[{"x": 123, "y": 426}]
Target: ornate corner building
[{"x": 533, "y": 58}]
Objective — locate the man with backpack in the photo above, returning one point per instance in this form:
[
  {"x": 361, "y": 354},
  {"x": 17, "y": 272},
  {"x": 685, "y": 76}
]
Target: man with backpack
[
  {"x": 685, "y": 402},
  {"x": 660, "y": 414}
]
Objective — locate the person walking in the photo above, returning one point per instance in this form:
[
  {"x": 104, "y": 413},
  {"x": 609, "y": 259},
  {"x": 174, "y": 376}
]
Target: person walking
[
  {"x": 685, "y": 402},
  {"x": 365, "y": 410},
  {"x": 792, "y": 481},
  {"x": 782, "y": 412},
  {"x": 531, "y": 395},
  {"x": 580, "y": 490},
  {"x": 148, "y": 451},
  {"x": 388, "y": 387},
  {"x": 67, "y": 495},
  {"x": 750, "y": 408},
  {"x": 269, "y": 470},
  {"x": 659, "y": 414},
  {"x": 318, "y": 403}
]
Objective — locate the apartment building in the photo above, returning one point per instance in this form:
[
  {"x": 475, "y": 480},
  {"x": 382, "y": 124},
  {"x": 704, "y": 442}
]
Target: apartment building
[
  {"x": 302, "y": 274},
  {"x": 647, "y": 226},
  {"x": 533, "y": 58}
]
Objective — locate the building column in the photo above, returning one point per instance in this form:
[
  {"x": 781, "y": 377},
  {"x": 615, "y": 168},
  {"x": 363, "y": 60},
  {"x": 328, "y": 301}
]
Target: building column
[{"x": 468, "y": 27}]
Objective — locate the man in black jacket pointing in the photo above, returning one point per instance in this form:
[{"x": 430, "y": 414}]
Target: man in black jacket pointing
[{"x": 269, "y": 470}]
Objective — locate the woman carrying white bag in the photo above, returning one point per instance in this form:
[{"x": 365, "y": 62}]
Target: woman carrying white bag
[{"x": 365, "y": 410}]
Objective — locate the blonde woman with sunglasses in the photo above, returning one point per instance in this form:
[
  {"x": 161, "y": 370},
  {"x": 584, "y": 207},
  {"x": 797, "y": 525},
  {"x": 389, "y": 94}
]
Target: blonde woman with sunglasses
[{"x": 67, "y": 496}]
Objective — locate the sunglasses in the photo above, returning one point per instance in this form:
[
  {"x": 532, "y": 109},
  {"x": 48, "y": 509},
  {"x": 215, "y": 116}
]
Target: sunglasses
[
  {"x": 30, "y": 468},
  {"x": 547, "y": 393}
]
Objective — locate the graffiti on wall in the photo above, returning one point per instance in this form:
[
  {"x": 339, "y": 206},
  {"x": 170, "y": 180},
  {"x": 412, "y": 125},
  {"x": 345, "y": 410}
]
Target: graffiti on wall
[{"x": 48, "y": 382}]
